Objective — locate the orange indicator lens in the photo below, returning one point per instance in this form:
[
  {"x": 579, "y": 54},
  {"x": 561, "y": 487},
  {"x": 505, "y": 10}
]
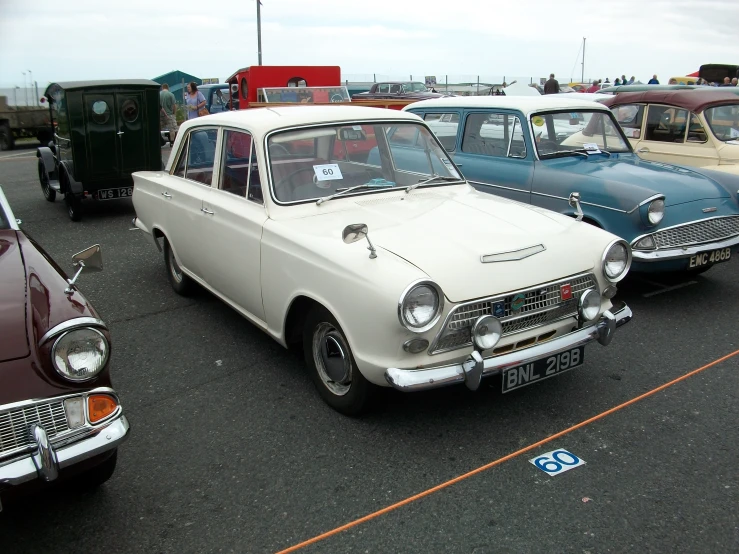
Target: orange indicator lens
[{"x": 100, "y": 406}]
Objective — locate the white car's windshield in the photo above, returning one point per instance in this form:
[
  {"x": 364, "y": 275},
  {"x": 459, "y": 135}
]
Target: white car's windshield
[
  {"x": 579, "y": 131},
  {"x": 316, "y": 162},
  {"x": 724, "y": 121}
]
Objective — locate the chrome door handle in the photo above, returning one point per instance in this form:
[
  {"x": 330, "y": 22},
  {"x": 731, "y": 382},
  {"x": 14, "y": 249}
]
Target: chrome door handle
[
  {"x": 643, "y": 151},
  {"x": 166, "y": 195},
  {"x": 207, "y": 211},
  {"x": 119, "y": 133}
]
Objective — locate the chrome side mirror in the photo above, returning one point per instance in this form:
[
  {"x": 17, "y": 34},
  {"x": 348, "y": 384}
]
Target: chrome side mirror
[
  {"x": 88, "y": 260},
  {"x": 354, "y": 232},
  {"x": 574, "y": 201},
  {"x": 358, "y": 231}
]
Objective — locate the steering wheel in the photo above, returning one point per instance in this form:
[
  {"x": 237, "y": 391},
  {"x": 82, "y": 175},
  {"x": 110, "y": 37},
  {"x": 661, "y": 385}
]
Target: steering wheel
[
  {"x": 546, "y": 146},
  {"x": 288, "y": 180},
  {"x": 279, "y": 150}
]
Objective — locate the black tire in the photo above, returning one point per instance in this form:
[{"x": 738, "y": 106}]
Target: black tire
[
  {"x": 74, "y": 206},
  {"x": 6, "y": 137},
  {"x": 324, "y": 339},
  {"x": 180, "y": 282},
  {"x": 93, "y": 478},
  {"x": 43, "y": 177}
]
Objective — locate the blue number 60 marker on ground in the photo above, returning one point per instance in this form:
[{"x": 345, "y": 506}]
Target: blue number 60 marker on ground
[{"x": 557, "y": 461}]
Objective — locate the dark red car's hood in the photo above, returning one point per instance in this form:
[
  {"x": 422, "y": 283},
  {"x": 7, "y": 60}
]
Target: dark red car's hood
[{"x": 13, "y": 294}]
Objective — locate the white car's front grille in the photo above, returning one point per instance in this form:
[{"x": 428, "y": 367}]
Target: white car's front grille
[{"x": 543, "y": 304}]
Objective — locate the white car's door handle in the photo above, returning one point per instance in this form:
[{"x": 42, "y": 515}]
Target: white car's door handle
[
  {"x": 166, "y": 195},
  {"x": 119, "y": 133},
  {"x": 207, "y": 211},
  {"x": 643, "y": 151}
]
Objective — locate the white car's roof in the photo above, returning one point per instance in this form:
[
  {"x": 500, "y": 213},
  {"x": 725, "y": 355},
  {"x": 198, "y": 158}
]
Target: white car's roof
[
  {"x": 526, "y": 104},
  {"x": 264, "y": 120}
]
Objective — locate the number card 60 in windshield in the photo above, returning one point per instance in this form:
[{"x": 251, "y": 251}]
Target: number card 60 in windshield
[{"x": 556, "y": 462}]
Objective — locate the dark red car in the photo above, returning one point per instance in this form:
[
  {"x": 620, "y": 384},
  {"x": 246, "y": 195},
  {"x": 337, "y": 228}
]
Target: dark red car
[{"x": 59, "y": 416}]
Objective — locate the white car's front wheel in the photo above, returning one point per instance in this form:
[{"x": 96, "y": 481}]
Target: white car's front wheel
[{"x": 332, "y": 366}]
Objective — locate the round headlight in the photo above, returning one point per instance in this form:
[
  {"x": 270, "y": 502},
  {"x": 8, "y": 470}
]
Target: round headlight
[
  {"x": 589, "y": 304},
  {"x": 656, "y": 211},
  {"x": 420, "y": 306},
  {"x": 80, "y": 354},
  {"x": 486, "y": 332},
  {"x": 616, "y": 261}
]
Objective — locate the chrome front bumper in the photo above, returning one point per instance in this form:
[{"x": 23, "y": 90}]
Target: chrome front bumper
[
  {"x": 475, "y": 367},
  {"x": 45, "y": 461},
  {"x": 681, "y": 252}
]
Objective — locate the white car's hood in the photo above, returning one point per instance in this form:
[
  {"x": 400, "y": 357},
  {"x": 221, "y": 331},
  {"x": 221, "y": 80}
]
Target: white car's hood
[{"x": 446, "y": 231}]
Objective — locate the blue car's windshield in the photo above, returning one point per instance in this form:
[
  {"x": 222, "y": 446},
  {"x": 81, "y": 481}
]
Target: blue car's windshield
[{"x": 572, "y": 132}]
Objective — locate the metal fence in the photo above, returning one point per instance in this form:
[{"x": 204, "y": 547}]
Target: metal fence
[{"x": 19, "y": 96}]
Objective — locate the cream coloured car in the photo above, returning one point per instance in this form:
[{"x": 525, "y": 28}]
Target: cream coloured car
[
  {"x": 698, "y": 128},
  {"x": 323, "y": 227}
]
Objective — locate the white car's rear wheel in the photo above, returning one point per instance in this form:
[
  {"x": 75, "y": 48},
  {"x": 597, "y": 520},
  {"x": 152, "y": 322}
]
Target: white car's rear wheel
[
  {"x": 332, "y": 366},
  {"x": 180, "y": 282}
]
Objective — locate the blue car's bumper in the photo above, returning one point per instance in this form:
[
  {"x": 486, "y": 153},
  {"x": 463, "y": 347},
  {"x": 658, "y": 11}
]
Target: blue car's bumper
[{"x": 676, "y": 259}]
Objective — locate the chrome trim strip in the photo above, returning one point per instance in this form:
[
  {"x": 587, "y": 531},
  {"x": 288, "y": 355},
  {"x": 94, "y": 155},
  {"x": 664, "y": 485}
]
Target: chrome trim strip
[
  {"x": 582, "y": 202},
  {"x": 72, "y": 324},
  {"x": 24, "y": 470},
  {"x": 27, "y": 403},
  {"x": 514, "y": 255},
  {"x": 8, "y": 212},
  {"x": 676, "y": 253},
  {"x": 435, "y": 319},
  {"x": 435, "y": 377},
  {"x": 432, "y": 349},
  {"x": 648, "y": 200},
  {"x": 498, "y": 186}
]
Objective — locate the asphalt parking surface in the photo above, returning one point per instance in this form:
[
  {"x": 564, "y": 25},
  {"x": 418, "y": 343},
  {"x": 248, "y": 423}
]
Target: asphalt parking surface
[{"x": 232, "y": 450}]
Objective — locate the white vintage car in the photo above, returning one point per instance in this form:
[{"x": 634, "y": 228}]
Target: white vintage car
[{"x": 385, "y": 269}]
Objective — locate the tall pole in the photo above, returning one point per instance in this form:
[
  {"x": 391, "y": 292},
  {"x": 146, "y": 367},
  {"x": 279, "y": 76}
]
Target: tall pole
[
  {"x": 259, "y": 31},
  {"x": 582, "y": 77}
]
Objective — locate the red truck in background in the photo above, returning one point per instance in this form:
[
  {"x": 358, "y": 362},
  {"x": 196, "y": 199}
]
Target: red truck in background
[{"x": 291, "y": 84}]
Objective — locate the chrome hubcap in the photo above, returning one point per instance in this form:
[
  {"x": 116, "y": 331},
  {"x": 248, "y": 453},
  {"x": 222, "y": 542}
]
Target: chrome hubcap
[
  {"x": 174, "y": 268},
  {"x": 332, "y": 359}
]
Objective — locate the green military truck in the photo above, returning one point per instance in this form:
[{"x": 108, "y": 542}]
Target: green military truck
[{"x": 23, "y": 121}]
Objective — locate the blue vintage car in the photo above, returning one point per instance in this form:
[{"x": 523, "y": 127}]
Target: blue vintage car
[{"x": 541, "y": 150}]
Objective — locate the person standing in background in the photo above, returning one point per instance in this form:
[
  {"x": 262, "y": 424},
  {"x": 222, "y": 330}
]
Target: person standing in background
[
  {"x": 631, "y": 81},
  {"x": 552, "y": 85},
  {"x": 653, "y": 80},
  {"x": 194, "y": 100},
  {"x": 167, "y": 110},
  {"x": 735, "y": 82}
]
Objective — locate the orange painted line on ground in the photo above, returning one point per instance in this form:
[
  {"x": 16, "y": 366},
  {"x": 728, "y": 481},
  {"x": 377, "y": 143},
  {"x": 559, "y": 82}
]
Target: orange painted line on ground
[{"x": 499, "y": 461}]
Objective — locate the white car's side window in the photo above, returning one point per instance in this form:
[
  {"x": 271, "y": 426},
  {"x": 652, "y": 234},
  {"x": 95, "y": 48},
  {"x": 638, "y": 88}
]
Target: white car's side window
[
  {"x": 201, "y": 155},
  {"x": 239, "y": 171}
]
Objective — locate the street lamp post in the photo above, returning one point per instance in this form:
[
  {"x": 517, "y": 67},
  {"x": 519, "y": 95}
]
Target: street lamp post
[
  {"x": 259, "y": 31},
  {"x": 30, "y": 84}
]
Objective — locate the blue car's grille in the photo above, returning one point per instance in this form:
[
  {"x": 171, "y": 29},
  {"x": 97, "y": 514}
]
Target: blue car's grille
[{"x": 697, "y": 232}]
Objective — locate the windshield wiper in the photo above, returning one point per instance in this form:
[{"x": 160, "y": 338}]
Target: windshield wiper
[
  {"x": 565, "y": 152},
  {"x": 340, "y": 192},
  {"x": 431, "y": 180}
]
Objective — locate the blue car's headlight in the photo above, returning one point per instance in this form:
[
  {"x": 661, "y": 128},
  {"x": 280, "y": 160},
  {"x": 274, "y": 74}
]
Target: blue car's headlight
[{"x": 652, "y": 211}]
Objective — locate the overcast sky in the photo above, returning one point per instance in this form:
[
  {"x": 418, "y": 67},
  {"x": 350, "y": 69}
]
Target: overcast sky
[{"x": 90, "y": 39}]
